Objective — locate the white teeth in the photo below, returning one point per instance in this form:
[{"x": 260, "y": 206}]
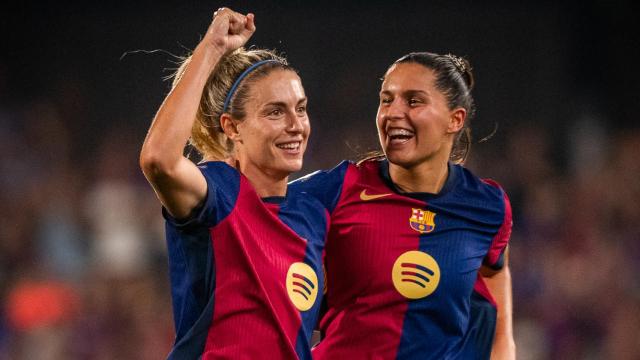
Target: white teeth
[
  {"x": 399, "y": 132},
  {"x": 292, "y": 145}
]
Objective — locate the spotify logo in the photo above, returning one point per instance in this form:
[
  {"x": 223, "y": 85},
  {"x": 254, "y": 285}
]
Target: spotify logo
[
  {"x": 415, "y": 274},
  {"x": 302, "y": 285}
]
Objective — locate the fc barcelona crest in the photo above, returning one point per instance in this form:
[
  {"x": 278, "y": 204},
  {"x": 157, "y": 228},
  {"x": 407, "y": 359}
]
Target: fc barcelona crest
[{"x": 422, "y": 221}]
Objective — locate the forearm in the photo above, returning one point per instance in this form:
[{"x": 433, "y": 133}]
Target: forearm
[
  {"x": 171, "y": 128},
  {"x": 499, "y": 284},
  {"x": 179, "y": 184}
]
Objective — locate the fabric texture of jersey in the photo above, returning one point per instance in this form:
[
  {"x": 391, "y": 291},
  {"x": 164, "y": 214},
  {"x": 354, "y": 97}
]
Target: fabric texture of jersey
[
  {"x": 245, "y": 272},
  {"x": 402, "y": 269}
]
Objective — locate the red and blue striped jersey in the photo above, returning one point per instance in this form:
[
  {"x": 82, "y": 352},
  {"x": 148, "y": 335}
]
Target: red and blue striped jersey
[
  {"x": 402, "y": 268},
  {"x": 246, "y": 273}
]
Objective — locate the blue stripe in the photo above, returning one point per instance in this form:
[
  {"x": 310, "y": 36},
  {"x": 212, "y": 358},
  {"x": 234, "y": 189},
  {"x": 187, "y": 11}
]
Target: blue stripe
[
  {"x": 299, "y": 284},
  {"x": 419, "y": 267},
  {"x": 413, "y": 273},
  {"x": 307, "y": 217},
  {"x": 415, "y": 282},
  {"x": 192, "y": 262},
  {"x": 422, "y": 337},
  {"x": 193, "y": 312},
  {"x": 482, "y": 326}
]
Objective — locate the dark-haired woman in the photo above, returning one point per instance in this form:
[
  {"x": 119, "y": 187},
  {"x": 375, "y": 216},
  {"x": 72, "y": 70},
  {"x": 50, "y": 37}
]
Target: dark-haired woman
[{"x": 412, "y": 231}]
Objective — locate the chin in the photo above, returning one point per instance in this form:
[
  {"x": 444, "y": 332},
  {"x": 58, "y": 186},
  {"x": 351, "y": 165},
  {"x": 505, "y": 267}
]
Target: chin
[
  {"x": 401, "y": 159},
  {"x": 290, "y": 166},
  {"x": 296, "y": 167}
]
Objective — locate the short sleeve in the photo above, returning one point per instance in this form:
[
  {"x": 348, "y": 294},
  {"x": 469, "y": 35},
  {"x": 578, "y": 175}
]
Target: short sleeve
[
  {"x": 495, "y": 256},
  {"x": 223, "y": 186},
  {"x": 325, "y": 185}
]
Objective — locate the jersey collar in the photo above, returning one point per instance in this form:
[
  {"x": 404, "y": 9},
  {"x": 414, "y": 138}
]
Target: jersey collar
[{"x": 452, "y": 179}]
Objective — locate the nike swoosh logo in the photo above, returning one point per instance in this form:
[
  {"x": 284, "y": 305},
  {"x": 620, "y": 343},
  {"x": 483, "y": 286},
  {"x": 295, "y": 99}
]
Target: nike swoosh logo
[{"x": 366, "y": 197}]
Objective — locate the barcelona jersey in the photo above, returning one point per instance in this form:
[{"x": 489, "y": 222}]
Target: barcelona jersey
[
  {"x": 402, "y": 268},
  {"x": 246, "y": 273}
]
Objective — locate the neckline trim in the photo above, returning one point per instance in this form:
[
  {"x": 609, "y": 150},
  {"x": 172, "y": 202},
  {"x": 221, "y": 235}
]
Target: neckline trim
[{"x": 452, "y": 177}]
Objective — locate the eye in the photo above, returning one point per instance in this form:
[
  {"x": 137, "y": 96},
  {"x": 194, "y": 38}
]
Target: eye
[
  {"x": 275, "y": 112},
  {"x": 414, "y": 101},
  {"x": 302, "y": 109},
  {"x": 385, "y": 100}
]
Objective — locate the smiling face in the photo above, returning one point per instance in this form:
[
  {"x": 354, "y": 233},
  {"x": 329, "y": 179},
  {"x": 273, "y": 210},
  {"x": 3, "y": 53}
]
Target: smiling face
[
  {"x": 273, "y": 136},
  {"x": 415, "y": 124}
]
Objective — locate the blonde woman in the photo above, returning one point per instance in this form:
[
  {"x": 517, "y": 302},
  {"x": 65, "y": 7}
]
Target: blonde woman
[{"x": 244, "y": 254}]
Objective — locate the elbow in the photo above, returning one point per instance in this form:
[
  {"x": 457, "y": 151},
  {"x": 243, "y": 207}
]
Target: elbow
[
  {"x": 149, "y": 163},
  {"x": 154, "y": 164}
]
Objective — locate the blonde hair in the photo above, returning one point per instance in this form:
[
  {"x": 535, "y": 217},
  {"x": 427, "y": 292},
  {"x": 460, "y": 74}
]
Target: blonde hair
[{"x": 207, "y": 136}]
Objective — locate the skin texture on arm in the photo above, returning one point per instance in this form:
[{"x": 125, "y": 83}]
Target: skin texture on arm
[
  {"x": 178, "y": 183},
  {"x": 499, "y": 285}
]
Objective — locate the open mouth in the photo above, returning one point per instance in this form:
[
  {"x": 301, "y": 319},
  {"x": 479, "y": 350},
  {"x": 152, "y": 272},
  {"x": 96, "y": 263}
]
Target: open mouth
[
  {"x": 290, "y": 147},
  {"x": 399, "y": 136}
]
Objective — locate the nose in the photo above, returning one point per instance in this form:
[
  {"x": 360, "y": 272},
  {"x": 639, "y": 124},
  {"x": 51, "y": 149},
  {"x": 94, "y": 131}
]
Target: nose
[
  {"x": 393, "y": 110},
  {"x": 295, "y": 124}
]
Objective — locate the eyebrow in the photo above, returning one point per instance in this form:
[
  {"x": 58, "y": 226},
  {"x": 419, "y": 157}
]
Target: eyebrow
[
  {"x": 406, "y": 92},
  {"x": 282, "y": 103}
]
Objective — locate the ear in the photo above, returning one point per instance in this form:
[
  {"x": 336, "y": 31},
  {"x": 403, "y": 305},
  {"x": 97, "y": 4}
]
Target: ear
[
  {"x": 229, "y": 127},
  {"x": 456, "y": 120}
]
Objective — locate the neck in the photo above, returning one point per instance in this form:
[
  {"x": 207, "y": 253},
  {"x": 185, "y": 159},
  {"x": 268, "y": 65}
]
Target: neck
[
  {"x": 265, "y": 182},
  {"x": 427, "y": 177},
  {"x": 266, "y": 185}
]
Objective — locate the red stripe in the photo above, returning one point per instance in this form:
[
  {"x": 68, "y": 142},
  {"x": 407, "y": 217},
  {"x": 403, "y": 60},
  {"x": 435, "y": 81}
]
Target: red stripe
[
  {"x": 252, "y": 315},
  {"x": 353, "y": 307},
  {"x": 302, "y": 277},
  {"x": 501, "y": 239},
  {"x": 302, "y": 286},
  {"x": 481, "y": 288},
  {"x": 418, "y": 275}
]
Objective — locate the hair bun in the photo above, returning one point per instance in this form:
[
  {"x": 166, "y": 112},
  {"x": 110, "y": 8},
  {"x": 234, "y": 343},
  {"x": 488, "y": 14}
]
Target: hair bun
[
  {"x": 458, "y": 62},
  {"x": 463, "y": 66}
]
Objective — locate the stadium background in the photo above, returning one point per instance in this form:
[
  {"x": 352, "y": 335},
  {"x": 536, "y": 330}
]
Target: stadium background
[{"x": 83, "y": 270}]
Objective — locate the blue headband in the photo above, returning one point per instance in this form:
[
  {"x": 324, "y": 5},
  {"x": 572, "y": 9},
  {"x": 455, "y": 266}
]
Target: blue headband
[{"x": 242, "y": 76}]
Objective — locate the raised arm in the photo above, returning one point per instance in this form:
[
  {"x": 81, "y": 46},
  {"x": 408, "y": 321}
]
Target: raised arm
[{"x": 178, "y": 183}]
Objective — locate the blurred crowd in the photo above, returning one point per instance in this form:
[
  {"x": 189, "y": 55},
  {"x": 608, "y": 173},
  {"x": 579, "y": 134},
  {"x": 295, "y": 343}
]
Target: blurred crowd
[
  {"x": 83, "y": 267},
  {"x": 83, "y": 271},
  {"x": 575, "y": 247}
]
